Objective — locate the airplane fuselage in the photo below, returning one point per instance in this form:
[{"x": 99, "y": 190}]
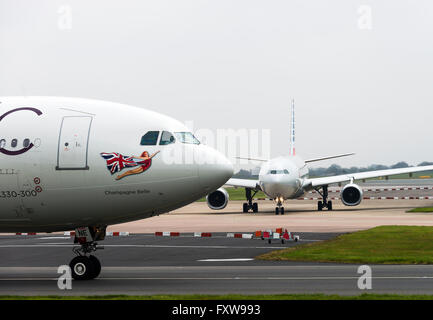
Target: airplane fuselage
[
  {"x": 283, "y": 177},
  {"x": 61, "y": 161}
]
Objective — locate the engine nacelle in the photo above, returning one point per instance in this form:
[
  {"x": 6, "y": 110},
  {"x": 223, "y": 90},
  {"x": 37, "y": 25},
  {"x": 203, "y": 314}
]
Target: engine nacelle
[
  {"x": 351, "y": 195},
  {"x": 218, "y": 199}
]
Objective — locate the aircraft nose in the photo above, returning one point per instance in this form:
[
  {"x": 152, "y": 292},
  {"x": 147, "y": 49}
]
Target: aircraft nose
[{"x": 214, "y": 169}]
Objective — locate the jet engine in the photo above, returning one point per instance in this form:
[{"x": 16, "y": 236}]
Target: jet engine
[
  {"x": 351, "y": 195},
  {"x": 218, "y": 199}
]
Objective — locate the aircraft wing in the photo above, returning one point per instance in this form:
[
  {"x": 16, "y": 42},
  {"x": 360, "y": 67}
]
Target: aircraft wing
[
  {"x": 244, "y": 183},
  {"x": 317, "y": 182}
]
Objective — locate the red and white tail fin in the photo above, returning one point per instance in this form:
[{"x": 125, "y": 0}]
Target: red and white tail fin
[{"x": 292, "y": 151}]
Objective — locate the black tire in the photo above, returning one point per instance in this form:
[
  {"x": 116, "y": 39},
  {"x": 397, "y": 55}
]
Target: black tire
[
  {"x": 282, "y": 210},
  {"x": 245, "y": 208},
  {"x": 82, "y": 268},
  {"x": 320, "y": 206},
  {"x": 329, "y": 205},
  {"x": 96, "y": 266},
  {"x": 277, "y": 211},
  {"x": 269, "y": 241},
  {"x": 255, "y": 207}
]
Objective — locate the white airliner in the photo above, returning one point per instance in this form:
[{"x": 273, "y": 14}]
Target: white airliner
[
  {"x": 68, "y": 163},
  {"x": 286, "y": 177}
]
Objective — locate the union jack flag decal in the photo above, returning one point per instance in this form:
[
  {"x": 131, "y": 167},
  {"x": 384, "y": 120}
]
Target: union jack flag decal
[{"x": 116, "y": 162}]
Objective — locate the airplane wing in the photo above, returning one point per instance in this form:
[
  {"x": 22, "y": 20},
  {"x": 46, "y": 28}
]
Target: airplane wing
[
  {"x": 330, "y": 157},
  {"x": 253, "y": 159},
  {"x": 317, "y": 182},
  {"x": 244, "y": 183}
]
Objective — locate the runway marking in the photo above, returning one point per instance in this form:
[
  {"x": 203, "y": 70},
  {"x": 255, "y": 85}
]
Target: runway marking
[
  {"x": 60, "y": 245},
  {"x": 226, "y": 278},
  {"x": 53, "y": 238},
  {"x": 226, "y": 260}
]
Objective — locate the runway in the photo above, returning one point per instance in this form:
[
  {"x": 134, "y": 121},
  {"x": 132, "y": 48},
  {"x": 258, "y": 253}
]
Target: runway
[
  {"x": 147, "y": 265},
  {"x": 143, "y": 264}
]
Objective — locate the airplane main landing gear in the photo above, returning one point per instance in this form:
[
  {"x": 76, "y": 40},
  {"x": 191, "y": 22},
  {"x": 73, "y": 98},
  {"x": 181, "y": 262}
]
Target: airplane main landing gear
[
  {"x": 250, "y": 205},
  {"x": 85, "y": 266},
  {"x": 325, "y": 203}
]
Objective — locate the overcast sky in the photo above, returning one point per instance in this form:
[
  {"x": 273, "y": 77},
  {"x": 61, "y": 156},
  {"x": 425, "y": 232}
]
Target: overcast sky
[{"x": 362, "y": 80}]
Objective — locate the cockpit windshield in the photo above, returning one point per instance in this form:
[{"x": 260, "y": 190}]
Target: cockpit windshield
[
  {"x": 285, "y": 171},
  {"x": 186, "y": 137},
  {"x": 150, "y": 138},
  {"x": 167, "y": 138}
]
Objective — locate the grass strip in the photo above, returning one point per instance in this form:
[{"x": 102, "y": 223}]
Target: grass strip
[{"x": 380, "y": 245}]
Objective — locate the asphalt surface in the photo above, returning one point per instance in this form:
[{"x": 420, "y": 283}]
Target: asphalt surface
[
  {"x": 145, "y": 264},
  {"x": 142, "y": 264}
]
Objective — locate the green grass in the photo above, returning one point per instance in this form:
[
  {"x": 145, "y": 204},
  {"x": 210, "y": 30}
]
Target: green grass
[
  {"x": 424, "y": 209},
  {"x": 380, "y": 245},
  {"x": 229, "y": 297},
  {"x": 239, "y": 194}
]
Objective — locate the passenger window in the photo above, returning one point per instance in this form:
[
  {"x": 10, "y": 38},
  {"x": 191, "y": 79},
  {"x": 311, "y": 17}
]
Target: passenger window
[
  {"x": 14, "y": 143},
  {"x": 150, "y": 138},
  {"x": 286, "y": 171},
  {"x": 167, "y": 138},
  {"x": 2, "y": 143},
  {"x": 26, "y": 143}
]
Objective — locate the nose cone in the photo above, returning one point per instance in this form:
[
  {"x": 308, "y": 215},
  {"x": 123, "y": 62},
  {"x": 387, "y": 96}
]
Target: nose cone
[
  {"x": 214, "y": 169},
  {"x": 279, "y": 186}
]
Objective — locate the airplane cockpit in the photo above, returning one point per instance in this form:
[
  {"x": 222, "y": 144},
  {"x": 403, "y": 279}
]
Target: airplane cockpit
[
  {"x": 153, "y": 138},
  {"x": 285, "y": 171}
]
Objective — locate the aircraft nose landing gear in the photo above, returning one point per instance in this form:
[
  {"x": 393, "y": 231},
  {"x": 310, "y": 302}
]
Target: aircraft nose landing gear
[
  {"x": 85, "y": 266},
  {"x": 279, "y": 208}
]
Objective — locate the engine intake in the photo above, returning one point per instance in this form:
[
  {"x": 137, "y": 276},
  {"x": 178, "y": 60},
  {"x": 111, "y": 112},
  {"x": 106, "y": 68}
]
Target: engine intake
[
  {"x": 351, "y": 195},
  {"x": 218, "y": 199}
]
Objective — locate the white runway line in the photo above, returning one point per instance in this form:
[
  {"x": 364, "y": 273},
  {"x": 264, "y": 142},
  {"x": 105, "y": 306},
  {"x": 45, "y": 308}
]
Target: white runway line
[
  {"x": 228, "y": 278},
  {"x": 53, "y": 238},
  {"x": 226, "y": 260}
]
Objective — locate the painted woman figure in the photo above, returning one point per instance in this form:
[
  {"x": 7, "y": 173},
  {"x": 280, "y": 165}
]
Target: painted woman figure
[{"x": 144, "y": 164}]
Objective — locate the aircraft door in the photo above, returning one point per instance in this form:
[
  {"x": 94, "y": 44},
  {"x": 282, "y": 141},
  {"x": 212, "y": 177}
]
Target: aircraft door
[{"x": 73, "y": 143}]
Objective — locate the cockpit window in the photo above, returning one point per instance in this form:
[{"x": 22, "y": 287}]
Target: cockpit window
[
  {"x": 2, "y": 143},
  {"x": 186, "y": 137},
  {"x": 167, "y": 138},
  {"x": 150, "y": 138},
  {"x": 285, "y": 171}
]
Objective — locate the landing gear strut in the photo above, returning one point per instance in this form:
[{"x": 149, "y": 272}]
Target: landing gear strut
[
  {"x": 279, "y": 208},
  {"x": 250, "y": 205},
  {"x": 325, "y": 204},
  {"x": 85, "y": 266}
]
